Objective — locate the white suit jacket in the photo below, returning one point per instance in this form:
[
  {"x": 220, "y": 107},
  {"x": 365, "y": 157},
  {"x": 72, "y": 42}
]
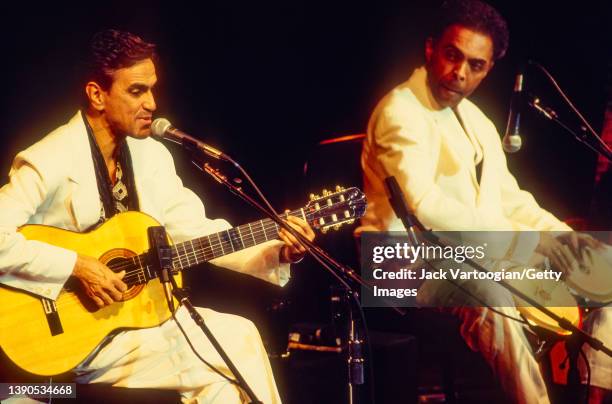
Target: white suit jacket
[
  {"x": 53, "y": 183},
  {"x": 433, "y": 160}
]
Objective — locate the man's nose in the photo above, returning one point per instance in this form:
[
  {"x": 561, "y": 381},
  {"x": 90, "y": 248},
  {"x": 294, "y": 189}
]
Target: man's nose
[
  {"x": 460, "y": 71},
  {"x": 149, "y": 102}
]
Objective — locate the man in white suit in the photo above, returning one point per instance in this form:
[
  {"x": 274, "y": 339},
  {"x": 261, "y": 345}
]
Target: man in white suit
[
  {"x": 447, "y": 157},
  {"x": 103, "y": 162}
]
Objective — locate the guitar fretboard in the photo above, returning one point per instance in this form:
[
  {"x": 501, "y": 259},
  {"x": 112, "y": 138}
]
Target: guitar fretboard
[
  {"x": 193, "y": 252},
  {"x": 203, "y": 249}
]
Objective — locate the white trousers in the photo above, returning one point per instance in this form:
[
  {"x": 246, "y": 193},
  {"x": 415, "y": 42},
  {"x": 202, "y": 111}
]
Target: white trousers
[
  {"x": 599, "y": 324},
  {"x": 160, "y": 358},
  {"x": 502, "y": 342}
]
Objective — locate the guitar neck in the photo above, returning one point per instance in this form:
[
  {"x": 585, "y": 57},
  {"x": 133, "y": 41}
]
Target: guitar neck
[
  {"x": 203, "y": 249},
  {"x": 328, "y": 211}
]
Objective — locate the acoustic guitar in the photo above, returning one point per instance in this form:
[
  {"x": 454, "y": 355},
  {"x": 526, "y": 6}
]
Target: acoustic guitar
[{"x": 47, "y": 337}]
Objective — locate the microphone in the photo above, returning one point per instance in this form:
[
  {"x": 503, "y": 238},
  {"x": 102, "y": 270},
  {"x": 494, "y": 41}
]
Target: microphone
[
  {"x": 398, "y": 203},
  {"x": 162, "y": 128},
  {"x": 512, "y": 140}
]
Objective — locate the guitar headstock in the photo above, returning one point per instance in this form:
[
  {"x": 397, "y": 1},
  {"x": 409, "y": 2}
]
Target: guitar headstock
[{"x": 332, "y": 209}]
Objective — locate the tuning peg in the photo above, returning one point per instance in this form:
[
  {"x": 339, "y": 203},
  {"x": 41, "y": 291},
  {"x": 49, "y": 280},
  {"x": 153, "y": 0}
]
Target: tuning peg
[
  {"x": 312, "y": 197},
  {"x": 337, "y": 226},
  {"x": 325, "y": 192},
  {"x": 339, "y": 188},
  {"x": 324, "y": 230}
]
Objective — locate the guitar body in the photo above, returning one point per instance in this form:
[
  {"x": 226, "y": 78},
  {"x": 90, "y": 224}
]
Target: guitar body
[
  {"x": 49, "y": 338},
  {"x": 25, "y": 332}
]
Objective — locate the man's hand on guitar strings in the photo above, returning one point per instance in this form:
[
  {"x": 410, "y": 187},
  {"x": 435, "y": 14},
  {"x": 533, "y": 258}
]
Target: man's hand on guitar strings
[
  {"x": 293, "y": 251},
  {"x": 101, "y": 284}
]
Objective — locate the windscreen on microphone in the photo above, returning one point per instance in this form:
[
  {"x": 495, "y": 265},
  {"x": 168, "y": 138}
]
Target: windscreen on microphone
[
  {"x": 512, "y": 143},
  {"x": 160, "y": 126},
  {"x": 512, "y": 140}
]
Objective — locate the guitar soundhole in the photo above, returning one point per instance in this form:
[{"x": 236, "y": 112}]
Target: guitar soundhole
[{"x": 120, "y": 259}]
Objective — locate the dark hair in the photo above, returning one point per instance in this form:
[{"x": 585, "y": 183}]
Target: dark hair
[
  {"x": 110, "y": 50},
  {"x": 476, "y": 15}
]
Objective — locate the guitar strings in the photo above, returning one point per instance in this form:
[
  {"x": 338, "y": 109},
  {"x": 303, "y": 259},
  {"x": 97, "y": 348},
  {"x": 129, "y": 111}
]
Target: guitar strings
[
  {"x": 214, "y": 249},
  {"x": 135, "y": 272}
]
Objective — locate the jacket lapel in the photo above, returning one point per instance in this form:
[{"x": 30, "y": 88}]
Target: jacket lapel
[
  {"x": 444, "y": 121},
  {"x": 488, "y": 194},
  {"x": 476, "y": 144},
  {"x": 145, "y": 182},
  {"x": 85, "y": 202}
]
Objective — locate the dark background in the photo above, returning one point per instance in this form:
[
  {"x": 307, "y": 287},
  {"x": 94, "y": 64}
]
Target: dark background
[{"x": 266, "y": 81}]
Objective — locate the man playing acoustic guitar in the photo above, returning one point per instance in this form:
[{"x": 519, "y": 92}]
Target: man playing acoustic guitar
[{"x": 101, "y": 163}]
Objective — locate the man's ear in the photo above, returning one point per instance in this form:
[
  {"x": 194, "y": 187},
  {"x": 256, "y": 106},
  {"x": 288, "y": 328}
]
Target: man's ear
[
  {"x": 95, "y": 94},
  {"x": 429, "y": 45}
]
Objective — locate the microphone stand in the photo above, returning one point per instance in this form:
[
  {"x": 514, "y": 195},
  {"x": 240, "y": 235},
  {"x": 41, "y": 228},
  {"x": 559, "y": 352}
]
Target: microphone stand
[
  {"x": 400, "y": 207},
  {"x": 600, "y": 147},
  {"x": 183, "y": 297},
  {"x": 573, "y": 343},
  {"x": 342, "y": 273},
  {"x": 160, "y": 257},
  {"x": 356, "y": 329}
]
